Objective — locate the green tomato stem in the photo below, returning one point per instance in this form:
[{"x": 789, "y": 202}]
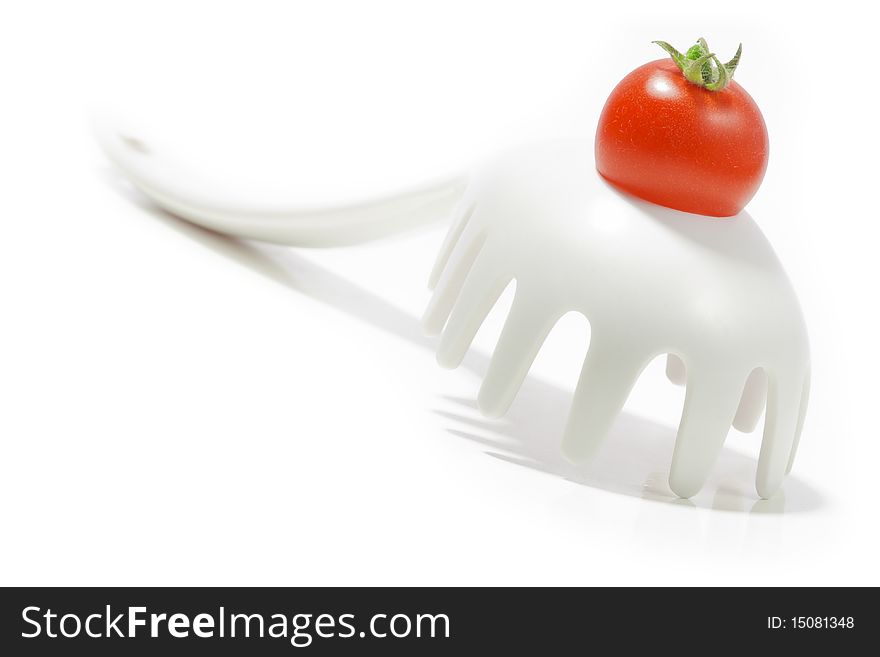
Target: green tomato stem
[{"x": 701, "y": 67}]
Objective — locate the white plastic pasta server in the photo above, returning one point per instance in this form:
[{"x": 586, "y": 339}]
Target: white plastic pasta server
[{"x": 707, "y": 292}]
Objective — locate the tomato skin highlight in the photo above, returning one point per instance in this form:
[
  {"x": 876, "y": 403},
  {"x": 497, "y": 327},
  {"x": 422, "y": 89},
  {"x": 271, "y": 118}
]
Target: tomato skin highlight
[{"x": 676, "y": 144}]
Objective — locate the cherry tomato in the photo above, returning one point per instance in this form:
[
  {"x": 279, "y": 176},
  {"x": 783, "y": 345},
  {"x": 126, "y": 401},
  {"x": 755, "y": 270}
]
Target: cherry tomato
[{"x": 677, "y": 144}]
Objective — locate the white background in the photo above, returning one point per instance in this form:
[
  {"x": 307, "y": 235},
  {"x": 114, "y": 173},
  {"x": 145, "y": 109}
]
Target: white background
[{"x": 181, "y": 408}]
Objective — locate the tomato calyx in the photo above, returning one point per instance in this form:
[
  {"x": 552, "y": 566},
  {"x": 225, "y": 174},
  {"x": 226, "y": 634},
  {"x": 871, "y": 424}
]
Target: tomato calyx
[{"x": 700, "y": 65}]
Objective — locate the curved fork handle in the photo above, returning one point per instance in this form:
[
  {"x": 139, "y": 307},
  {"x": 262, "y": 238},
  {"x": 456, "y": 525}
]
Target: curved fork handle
[{"x": 170, "y": 188}]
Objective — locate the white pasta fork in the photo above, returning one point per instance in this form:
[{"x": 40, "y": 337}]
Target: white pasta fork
[{"x": 710, "y": 293}]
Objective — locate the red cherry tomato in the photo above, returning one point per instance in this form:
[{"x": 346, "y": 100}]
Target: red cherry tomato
[{"x": 674, "y": 143}]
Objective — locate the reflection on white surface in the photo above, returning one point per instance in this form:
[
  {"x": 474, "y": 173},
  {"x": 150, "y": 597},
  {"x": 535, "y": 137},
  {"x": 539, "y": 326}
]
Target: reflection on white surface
[{"x": 633, "y": 460}]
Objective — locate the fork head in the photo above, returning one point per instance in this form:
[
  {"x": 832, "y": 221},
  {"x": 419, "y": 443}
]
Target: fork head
[{"x": 709, "y": 293}]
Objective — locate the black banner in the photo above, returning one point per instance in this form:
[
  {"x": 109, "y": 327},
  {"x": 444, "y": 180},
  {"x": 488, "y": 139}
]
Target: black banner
[{"x": 277, "y": 621}]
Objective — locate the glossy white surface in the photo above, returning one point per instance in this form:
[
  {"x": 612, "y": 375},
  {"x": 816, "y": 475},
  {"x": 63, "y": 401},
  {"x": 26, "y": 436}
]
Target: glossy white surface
[{"x": 171, "y": 409}]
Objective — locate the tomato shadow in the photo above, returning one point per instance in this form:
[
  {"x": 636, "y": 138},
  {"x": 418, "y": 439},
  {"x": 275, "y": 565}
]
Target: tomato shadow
[{"x": 737, "y": 238}]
